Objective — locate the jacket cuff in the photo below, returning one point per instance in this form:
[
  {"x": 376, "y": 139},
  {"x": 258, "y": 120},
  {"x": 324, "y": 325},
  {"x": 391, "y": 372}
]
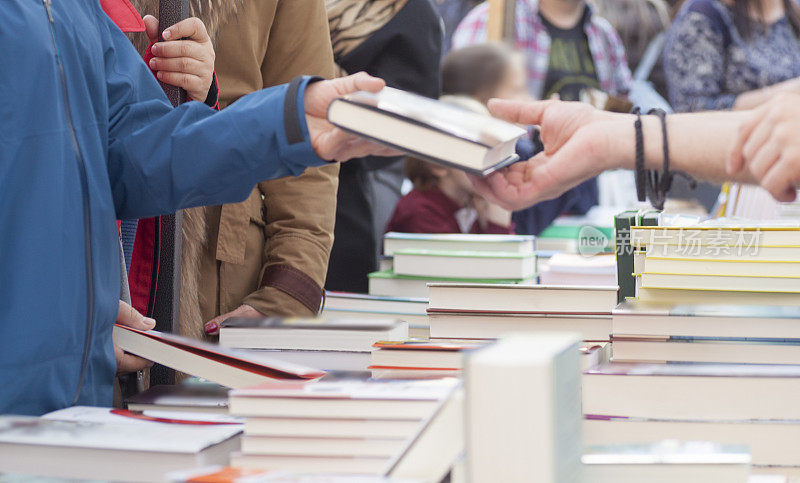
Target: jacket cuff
[
  {"x": 212, "y": 99},
  {"x": 295, "y": 283},
  {"x": 274, "y": 303},
  {"x": 294, "y": 143}
]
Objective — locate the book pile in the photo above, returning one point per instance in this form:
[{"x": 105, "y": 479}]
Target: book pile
[
  {"x": 418, "y": 359},
  {"x": 670, "y": 460},
  {"x": 712, "y": 293},
  {"x": 723, "y": 263},
  {"x": 351, "y": 426},
  {"x": 90, "y": 443},
  {"x": 412, "y": 310},
  {"x": 578, "y": 234},
  {"x": 419, "y": 259},
  {"x": 710, "y": 348},
  {"x": 474, "y": 311},
  {"x": 347, "y": 335},
  {"x": 573, "y": 269}
]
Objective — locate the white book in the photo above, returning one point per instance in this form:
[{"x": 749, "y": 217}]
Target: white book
[
  {"x": 331, "y": 428},
  {"x": 374, "y": 303},
  {"x": 465, "y": 264},
  {"x": 784, "y": 284},
  {"x": 667, "y": 461},
  {"x": 733, "y": 351},
  {"x": 347, "y": 335},
  {"x": 523, "y": 410},
  {"x": 728, "y": 240},
  {"x": 394, "y": 241},
  {"x": 321, "y": 446},
  {"x": 91, "y": 443},
  {"x": 742, "y": 267},
  {"x": 771, "y": 442},
  {"x": 467, "y": 325},
  {"x": 342, "y": 399},
  {"x": 429, "y": 129},
  {"x": 523, "y": 298}
]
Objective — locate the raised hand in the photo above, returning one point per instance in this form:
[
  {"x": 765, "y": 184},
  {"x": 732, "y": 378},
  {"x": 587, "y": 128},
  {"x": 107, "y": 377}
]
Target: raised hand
[
  {"x": 186, "y": 57},
  {"x": 330, "y": 142}
]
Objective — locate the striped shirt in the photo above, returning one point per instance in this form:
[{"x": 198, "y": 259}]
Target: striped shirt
[{"x": 532, "y": 39}]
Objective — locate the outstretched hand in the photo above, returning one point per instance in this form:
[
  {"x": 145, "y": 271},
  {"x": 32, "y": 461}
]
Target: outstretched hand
[
  {"x": 575, "y": 149},
  {"x": 330, "y": 142}
]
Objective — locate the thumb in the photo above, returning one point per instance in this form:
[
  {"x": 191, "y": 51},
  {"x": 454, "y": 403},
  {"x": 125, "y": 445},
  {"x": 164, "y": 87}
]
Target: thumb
[
  {"x": 518, "y": 112},
  {"x": 151, "y": 27},
  {"x": 130, "y": 317}
]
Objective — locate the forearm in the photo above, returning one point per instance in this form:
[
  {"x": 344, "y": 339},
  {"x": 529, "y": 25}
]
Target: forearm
[{"x": 699, "y": 143}]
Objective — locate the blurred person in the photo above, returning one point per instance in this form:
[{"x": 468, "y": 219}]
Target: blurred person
[
  {"x": 755, "y": 146},
  {"x": 269, "y": 254},
  {"x": 452, "y": 12},
  {"x": 486, "y": 71},
  {"x": 400, "y": 42},
  {"x": 89, "y": 137},
  {"x": 444, "y": 200},
  {"x": 732, "y": 54},
  {"x": 641, "y": 25},
  {"x": 567, "y": 46}
]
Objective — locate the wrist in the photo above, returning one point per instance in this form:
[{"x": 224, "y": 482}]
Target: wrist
[{"x": 614, "y": 142}]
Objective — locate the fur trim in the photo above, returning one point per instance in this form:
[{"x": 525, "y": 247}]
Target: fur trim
[
  {"x": 195, "y": 239},
  {"x": 351, "y": 22},
  {"x": 213, "y": 13}
]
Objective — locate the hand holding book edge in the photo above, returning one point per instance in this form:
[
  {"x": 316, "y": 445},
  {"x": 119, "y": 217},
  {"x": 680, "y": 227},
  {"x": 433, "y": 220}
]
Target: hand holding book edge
[{"x": 130, "y": 317}]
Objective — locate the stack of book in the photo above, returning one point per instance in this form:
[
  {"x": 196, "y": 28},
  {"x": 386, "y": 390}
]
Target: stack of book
[
  {"x": 575, "y": 234},
  {"x": 417, "y": 359},
  {"x": 412, "y": 310},
  {"x": 670, "y": 460},
  {"x": 574, "y": 269},
  {"x": 750, "y": 404},
  {"x": 419, "y": 259},
  {"x": 719, "y": 263},
  {"x": 90, "y": 443},
  {"x": 474, "y": 311},
  {"x": 706, "y": 333},
  {"x": 351, "y": 426}
]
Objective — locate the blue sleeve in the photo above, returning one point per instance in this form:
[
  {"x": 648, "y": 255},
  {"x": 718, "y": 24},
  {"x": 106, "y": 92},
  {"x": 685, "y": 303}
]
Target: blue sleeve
[
  {"x": 576, "y": 201},
  {"x": 162, "y": 159},
  {"x": 694, "y": 60}
]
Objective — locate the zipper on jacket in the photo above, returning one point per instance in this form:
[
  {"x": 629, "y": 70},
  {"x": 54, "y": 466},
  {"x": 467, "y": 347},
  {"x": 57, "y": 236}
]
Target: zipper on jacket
[{"x": 87, "y": 220}]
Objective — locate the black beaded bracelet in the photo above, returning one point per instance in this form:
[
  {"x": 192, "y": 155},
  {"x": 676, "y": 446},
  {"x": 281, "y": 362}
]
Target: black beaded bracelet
[
  {"x": 640, "y": 171},
  {"x": 650, "y": 183}
]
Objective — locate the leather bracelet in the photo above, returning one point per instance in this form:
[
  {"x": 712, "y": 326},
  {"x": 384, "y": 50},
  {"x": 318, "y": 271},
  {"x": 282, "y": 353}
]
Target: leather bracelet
[{"x": 659, "y": 184}]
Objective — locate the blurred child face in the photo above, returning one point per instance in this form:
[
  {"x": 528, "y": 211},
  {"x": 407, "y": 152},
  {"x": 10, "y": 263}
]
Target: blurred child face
[{"x": 514, "y": 84}]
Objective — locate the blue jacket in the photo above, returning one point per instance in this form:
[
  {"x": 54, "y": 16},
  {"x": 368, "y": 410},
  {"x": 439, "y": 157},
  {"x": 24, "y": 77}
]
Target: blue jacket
[{"x": 140, "y": 157}]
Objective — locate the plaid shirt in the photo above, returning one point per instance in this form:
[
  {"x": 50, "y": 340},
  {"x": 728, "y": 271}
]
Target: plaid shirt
[{"x": 605, "y": 45}]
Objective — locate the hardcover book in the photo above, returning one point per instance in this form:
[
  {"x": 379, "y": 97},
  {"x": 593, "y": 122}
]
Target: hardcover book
[{"x": 429, "y": 129}]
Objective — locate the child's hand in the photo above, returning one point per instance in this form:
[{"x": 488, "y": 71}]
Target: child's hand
[
  {"x": 490, "y": 214},
  {"x": 187, "y": 63}
]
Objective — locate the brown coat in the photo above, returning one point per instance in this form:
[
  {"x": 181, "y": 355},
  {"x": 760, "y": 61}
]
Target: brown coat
[{"x": 286, "y": 222}]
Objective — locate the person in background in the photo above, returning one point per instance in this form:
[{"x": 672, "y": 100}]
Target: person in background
[
  {"x": 400, "y": 42},
  {"x": 452, "y": 12},
  {"x": 268, "y": 255},
  {"x": 642, "y": 26},
  {"x": 732, "y": 54},
  {"x": 567, "y": 46},
  {"x": 444, "y": 200},
  {"x": 486, "y": 71}
]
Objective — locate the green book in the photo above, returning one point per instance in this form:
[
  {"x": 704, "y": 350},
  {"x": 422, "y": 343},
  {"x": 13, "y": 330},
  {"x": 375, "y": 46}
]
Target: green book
[{"x": 624, "y": 250}]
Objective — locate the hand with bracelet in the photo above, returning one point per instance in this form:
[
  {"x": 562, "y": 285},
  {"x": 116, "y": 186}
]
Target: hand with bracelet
[{"x": 580, "y": 142}]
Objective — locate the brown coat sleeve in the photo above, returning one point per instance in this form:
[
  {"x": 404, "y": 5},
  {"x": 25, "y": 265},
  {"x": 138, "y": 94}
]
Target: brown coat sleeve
[{"x": 299, "y": 212}]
